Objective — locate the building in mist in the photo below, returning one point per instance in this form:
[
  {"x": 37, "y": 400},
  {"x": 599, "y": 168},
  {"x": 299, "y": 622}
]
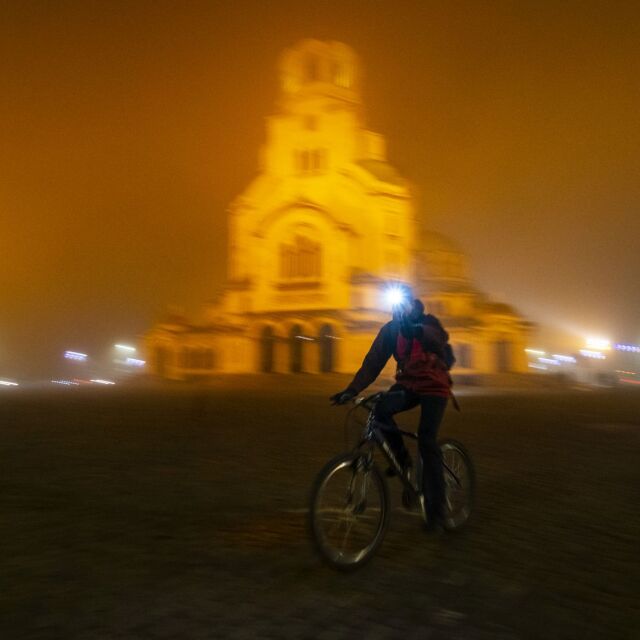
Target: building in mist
[{"x": 314, "y": 240}]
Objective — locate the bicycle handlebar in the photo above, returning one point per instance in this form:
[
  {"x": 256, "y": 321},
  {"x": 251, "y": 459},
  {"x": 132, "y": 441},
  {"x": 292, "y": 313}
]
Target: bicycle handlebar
[{"x": 369, "y": 402}]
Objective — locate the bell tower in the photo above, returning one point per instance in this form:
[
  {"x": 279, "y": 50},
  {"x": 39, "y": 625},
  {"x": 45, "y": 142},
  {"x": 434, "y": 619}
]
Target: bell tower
[{"x": 316, "y": 75}]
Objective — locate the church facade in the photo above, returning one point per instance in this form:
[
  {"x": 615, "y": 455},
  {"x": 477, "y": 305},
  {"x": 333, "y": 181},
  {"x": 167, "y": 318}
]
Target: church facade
[{"x": 316, "y": 239}]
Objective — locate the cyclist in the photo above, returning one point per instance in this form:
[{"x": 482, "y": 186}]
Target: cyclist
[{"x": 420, "y": 346}]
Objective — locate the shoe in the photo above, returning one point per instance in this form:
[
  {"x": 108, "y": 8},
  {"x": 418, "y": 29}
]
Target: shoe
[{"x": 432, "y": 523}]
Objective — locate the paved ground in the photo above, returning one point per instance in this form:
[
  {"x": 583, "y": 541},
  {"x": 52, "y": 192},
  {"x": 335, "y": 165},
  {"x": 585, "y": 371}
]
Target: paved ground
[{"x": 179, "y": 513}]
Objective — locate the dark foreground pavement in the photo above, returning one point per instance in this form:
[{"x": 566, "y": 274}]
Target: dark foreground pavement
[{"x": 180, "y": 513}]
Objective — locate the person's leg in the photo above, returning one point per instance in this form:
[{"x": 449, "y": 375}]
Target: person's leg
[
  {"x": 398, "y": 399},
  {"x": 433, "y": 408}
]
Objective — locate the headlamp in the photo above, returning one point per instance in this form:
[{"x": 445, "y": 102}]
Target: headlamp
[{"x": 396, "y": 296}]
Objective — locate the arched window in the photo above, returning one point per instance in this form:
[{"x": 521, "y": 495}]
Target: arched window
[
  {"x": 503, "y": 356},
  {"x": 312, "y": 68},
  {"x": 301, "y": 259},
  {"x": 295, "y": 349},
  {"x": 326, "y": 341},
  {"x": 310, "y": 160},
  {"x": 463, "y": 354},
  {"x": 341, "y": 74},
  {"x": 267, "y": 343}
]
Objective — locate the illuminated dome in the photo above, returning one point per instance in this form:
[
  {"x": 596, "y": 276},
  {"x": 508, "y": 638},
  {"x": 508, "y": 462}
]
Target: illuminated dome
[{"x": 440, "y": 258}]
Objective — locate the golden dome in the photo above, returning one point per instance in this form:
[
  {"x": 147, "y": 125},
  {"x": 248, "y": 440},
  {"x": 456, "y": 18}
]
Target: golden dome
[{"x": 440, "y": 258}]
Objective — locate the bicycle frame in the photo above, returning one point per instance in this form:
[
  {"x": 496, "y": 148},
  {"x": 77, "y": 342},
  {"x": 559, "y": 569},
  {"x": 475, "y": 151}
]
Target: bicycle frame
[{"x": 374, "y": 434}]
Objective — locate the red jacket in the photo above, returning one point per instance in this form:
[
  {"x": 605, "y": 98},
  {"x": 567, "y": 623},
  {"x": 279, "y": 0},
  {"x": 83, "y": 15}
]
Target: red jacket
[{"x": 420, "y": 368}]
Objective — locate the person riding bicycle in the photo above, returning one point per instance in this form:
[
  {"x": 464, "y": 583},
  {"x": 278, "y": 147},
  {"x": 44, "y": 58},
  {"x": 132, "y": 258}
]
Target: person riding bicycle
[{"x": 420, "y": 346}]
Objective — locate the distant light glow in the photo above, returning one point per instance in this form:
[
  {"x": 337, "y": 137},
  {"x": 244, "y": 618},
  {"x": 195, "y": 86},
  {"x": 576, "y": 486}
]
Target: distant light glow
[
  {"x": 100, "y": 381},
  {"x": 541, "y": 367},
  {"x": 125, "y": 347},
  {"x": 596, "y": 355},
  {"x": 66, "y": 383},
  {"x": 599, "y": 344},
  {"x": 75, "y": 355},
  {"x": 561, "y": 358},
  {"x": 549, "y": 361},
  {"x": 536, "y": 352},
  {"x": 135, "y": 362},
  {"x": 299, "y": 338},
  {"x": 8, "y": 383},
  {"x": 632, "y": 348}
]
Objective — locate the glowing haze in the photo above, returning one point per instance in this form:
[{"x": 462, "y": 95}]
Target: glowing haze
[{"x": 126, "y": 129}]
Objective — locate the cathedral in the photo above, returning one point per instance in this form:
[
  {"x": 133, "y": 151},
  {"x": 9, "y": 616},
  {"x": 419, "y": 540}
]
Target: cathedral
[{"x": 317, "y": 238}]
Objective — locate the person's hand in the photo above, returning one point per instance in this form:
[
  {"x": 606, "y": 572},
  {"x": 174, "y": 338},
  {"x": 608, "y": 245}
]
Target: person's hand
[{"x": 342, "y": 397}]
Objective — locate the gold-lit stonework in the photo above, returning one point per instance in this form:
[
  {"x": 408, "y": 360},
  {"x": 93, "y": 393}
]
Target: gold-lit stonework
[{"x": 314, "y": 240}]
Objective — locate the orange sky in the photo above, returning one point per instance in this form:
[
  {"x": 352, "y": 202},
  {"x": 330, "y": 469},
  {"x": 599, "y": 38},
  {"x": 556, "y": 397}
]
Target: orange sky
[{"x": 126, "y": 128}]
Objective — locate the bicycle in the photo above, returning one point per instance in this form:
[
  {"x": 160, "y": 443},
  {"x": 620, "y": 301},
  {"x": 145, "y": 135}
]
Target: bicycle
[{"x": 350, "y": 507}]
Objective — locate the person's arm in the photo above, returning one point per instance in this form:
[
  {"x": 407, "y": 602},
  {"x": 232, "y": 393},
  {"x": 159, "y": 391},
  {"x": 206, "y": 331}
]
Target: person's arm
[{"x": 379, "y": 353}]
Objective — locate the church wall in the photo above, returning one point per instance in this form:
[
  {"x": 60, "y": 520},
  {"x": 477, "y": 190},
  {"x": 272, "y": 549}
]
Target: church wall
[
  {"x": 483, "y": 359},
  {"x": 325, "y": 195},
  {"x": 236, "y": 354}
]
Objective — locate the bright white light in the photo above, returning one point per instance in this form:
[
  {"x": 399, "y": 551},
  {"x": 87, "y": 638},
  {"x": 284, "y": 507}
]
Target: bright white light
[
  {"x": 596, "y": 355},
  {"x": 125, "y": 347},
  {"x": 66, "y": 383},
  {"x": 562, "y": 358},
  {"x": 99, "y": 381},
  {"x": 75, "y": 355},
  {"x": 535, "y": 352},
  {"x": 134, "y": 362},
  {"x": 297, "y": 338},
  {"x": 600, "y": 344},
  {"x": 8, "y": 383},
  {"x": 395, "y": 295},
  {"x": 631, "y": 348},
  {"x": 541, "y": 367},
  {"x": 549, "y": 361}
]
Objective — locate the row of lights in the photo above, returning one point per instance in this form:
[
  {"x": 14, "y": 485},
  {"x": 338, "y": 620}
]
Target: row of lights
[
  {"x": 77, "y": 356},
  {"x": 594, "y": 350},
  {"x": 632, "y": 348}
]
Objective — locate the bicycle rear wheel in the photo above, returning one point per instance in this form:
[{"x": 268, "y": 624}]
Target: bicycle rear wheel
[
  {"x": 459, "y": 481},
  {"x": 349, "y": 511}
]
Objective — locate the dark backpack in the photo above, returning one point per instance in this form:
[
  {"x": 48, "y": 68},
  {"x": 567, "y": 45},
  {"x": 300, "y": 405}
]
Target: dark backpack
[{"x": 449, "y": 358}]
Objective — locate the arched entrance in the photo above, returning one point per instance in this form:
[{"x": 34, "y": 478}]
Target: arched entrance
[
  {"x": 327, "y": 345},
  {"x": 295, "y": 349},
  {"x": 267, "y": 341},
  {"x": 503, "y": 356}
]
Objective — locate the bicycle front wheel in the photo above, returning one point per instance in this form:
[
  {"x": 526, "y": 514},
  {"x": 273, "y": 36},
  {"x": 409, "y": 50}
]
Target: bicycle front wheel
[
  {"x": 349, "y": 510},
  {"x": 459, "y": 481}
]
